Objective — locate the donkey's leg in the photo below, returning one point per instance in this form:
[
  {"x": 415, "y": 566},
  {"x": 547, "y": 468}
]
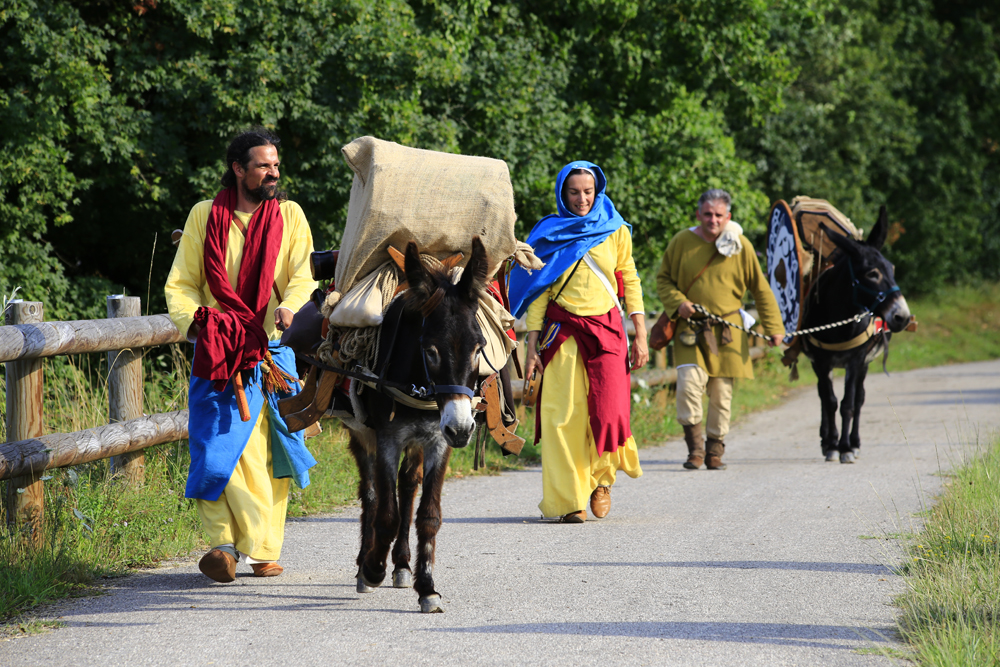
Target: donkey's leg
[
  {"x": 828, "y": 407},
  {"x": 847, "y": 409},
  {"x": 859, "y": 400},
  {"x": 411, "y": 474},
  {"x": 386, "y": 523},
  {"x": 436, "y": 455},
  {"x": 362, "y": 447}
]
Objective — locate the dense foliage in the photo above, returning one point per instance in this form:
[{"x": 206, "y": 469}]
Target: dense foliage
[{"x": 115, "y": 116}]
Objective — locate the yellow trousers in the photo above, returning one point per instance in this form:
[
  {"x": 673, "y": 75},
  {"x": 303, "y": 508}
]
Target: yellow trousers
[
  {"x": 250, "y": 513},
  {"x": 571, "y": 469}
]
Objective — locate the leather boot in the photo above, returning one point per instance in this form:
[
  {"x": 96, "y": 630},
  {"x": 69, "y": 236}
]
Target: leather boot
[
  {"x": 696, "y": 446},
  {"x": 716, "y": 448}
]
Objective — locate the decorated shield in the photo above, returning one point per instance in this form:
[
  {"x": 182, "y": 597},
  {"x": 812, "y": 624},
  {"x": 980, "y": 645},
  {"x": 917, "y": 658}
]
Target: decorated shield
[{"x": 784, "y": 266}]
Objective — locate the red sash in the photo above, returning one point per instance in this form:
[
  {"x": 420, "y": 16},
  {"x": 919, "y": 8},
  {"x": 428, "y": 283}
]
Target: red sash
[
  {"x": 233, "y": 338},
  {"x": 600, "y": 341}
]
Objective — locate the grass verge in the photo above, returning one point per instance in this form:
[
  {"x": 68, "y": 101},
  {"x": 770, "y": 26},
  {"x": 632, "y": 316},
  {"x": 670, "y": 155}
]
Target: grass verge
[{"x": 951, "y": 610}]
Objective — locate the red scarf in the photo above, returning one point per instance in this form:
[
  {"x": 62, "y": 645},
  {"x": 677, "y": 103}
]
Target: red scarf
[
  {"x": 601, "y": 343},
  {"x": 233, "y": 338}
]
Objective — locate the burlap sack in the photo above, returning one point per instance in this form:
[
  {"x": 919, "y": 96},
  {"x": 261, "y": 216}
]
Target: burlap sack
[{"x": 437, "y": 199}]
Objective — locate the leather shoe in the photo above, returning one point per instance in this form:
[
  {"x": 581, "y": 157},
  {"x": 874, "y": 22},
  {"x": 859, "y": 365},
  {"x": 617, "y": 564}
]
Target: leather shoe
[
  {"x": 218, "y": 566},
  {"x": 600, "y": 501},
  {"x": 266, "y": 569},
  {"x": 574, "y": 517}
]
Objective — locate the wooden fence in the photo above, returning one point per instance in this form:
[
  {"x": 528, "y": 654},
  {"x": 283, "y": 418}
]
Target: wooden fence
[{"x": 24, "y": 341}]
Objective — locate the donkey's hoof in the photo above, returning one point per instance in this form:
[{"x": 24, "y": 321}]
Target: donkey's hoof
[
  {"x": 831, "y": 455},
  {"x": 431, "y": 604},
  {"x": 847, "y": 457},
  {"x": 366, "y": 585},
  {"x": 402, "y": 579},
  {"x": 857, "y": 452},
  {"x": 363, "y": 587}
]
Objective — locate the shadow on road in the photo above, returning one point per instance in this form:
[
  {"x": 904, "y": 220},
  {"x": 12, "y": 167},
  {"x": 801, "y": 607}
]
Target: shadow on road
[
  {"x": 850, "y": 568},
  {"x": 745, "y": 633}
]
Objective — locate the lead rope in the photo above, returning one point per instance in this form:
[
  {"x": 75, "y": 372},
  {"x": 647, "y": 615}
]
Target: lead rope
[{"x": 715, "y": 318}]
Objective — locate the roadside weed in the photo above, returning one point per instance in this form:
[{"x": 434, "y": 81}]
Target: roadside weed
[{"x": 951, "y": 609}]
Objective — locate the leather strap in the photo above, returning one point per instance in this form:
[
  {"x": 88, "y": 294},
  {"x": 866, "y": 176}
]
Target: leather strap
[
  {"x": 570, "y": 277},
  {"x": 703, "y": 269},
  {"x": 243, "y": 230},
  {"x": 857, "y": 341}
]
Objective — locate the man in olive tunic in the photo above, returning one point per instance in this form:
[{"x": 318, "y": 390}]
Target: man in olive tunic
[{"x": 714, "y": 265}]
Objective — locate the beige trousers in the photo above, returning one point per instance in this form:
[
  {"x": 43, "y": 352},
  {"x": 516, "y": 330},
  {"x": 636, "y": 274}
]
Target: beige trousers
[{"x": 692, "y": 381}]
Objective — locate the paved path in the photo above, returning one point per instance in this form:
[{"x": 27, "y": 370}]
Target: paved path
[{"x": 758, "y": 565}]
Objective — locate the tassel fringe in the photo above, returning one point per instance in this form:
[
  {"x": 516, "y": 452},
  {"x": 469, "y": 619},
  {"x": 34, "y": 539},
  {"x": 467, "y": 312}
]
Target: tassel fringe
[{"x": 275, "y": 379}]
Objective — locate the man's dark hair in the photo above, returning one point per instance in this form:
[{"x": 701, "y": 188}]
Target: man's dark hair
[{"x": 239, "y": 150}]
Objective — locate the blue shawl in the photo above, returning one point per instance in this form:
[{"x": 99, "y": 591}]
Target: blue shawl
[
  {"x": 563, "y": 239},
  {"x": 217, "y": 435}
]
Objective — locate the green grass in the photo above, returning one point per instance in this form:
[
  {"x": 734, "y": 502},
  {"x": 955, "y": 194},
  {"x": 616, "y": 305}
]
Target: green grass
[
  {"x": 96, "y": 528},
  {"x": 951, "y": 610},
  {"x": 955, "y": 325}
]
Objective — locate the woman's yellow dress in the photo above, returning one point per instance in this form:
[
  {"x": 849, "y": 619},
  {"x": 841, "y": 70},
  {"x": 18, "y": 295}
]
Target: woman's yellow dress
[{"x": 571, "y": 469}]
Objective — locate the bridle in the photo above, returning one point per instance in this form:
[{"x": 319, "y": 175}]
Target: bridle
[
  {"x": 432, "y": 389},
  {"x": 856, "y": 286}
]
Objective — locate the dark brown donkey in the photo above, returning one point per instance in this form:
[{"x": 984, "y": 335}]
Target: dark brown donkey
[{"x": 430, "y": 341}]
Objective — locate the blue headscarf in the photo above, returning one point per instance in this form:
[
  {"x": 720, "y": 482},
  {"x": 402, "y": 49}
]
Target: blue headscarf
[{"x": 562, "y": 240}]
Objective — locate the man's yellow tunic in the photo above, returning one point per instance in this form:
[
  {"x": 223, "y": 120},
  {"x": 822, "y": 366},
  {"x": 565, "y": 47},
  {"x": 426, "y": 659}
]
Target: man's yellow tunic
[
  {"x": 250, "y": 513},
  {"x": 720, "y": 290},
  {"x": 571, "y": 469}
]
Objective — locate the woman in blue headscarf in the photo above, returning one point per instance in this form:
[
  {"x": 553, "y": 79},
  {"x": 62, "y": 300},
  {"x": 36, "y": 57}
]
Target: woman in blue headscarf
[{"x": 574, "y": 308}]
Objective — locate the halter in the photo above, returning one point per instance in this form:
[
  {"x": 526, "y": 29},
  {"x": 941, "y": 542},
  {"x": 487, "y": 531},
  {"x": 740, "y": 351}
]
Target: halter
[
  {"x": 433, "y": 389},
  {"x": 856, "y": 285}
]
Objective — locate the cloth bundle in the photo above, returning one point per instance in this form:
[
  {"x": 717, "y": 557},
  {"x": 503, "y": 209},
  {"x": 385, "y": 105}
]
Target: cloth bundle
[{"x": 439, "y": 200}]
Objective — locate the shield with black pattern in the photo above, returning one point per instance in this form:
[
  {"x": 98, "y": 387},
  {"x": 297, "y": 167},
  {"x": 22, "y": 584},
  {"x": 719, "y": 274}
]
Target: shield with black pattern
[{"x": 784, "y": 265}]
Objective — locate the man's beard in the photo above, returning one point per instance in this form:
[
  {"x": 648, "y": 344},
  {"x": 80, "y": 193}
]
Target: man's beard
[{"x": 264, "y": 192}]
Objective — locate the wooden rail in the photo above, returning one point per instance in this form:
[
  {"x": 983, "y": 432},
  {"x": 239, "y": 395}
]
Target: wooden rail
[
  {"x": 31, "y": 340},
  {"x": 59, "y": 450},
  {"x": 27, "y": 454}
]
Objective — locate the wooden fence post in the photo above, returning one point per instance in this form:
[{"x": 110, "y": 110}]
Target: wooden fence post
[
  {"x": 660, "y": 359},
  {"x": 125, "y": 393},
  {"x": 24, "y": 496}
]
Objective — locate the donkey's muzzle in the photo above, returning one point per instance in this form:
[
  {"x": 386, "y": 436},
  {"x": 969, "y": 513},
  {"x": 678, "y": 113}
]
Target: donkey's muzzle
[
  {"x": 457, "y": 423},
  {"x": 898, "y": 316}
]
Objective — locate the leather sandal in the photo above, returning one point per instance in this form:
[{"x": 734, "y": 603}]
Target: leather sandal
[
  {"x": 600, "y": 501},
  {"x": 574, "y": 517},
  {"x": 266, "y": 569},
  {"x": 219, "y": 566}
]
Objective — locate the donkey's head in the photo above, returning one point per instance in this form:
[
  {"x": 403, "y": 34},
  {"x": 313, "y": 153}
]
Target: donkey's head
[
  {"x": 451, "y": 340},
  {"x": 873, "y": 280}
]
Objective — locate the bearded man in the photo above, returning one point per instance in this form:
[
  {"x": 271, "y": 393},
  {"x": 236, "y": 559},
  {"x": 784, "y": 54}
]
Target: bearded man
[
  {"x": 240, "y": 273},
  {"x": 714, "y": 265}
]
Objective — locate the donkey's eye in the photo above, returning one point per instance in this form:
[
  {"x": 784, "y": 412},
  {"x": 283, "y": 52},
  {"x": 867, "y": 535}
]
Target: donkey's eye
[
  {"x": 433, "y": 358},
  {"x": 874, "y": 275}
]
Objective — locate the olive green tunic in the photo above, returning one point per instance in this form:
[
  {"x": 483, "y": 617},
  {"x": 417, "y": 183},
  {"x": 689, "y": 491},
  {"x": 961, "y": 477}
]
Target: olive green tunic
[{"x": 720, "y": 290}]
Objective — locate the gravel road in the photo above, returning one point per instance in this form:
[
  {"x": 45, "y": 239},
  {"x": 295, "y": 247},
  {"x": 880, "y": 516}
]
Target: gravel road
[{"x": 763, "y": 564}]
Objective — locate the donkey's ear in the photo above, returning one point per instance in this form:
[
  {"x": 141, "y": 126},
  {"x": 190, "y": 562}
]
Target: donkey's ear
[
  {"x": 876, "y": 238},
  {"x": 847, "y": 245},
  {"x": 474, "y": 276},
  {"x": 416, "y": 273}
]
